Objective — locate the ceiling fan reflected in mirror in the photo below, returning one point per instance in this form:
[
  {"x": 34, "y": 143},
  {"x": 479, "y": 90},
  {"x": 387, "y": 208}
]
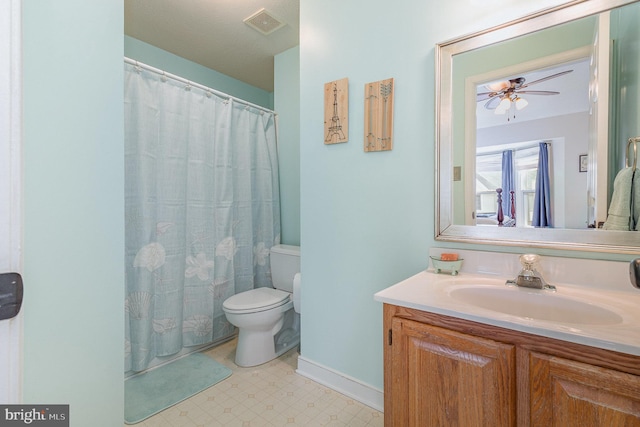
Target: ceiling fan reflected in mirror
[{"x": 504, "y": 94}]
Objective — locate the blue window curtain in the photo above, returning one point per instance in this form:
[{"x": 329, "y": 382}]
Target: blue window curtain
[
  {"x": 508, "y": 181},
  {"x": 542, "y": 200}
]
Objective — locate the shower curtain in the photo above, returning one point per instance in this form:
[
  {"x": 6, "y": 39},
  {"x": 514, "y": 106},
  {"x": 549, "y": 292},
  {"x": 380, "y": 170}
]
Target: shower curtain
[{"x": 202, "y": 211}]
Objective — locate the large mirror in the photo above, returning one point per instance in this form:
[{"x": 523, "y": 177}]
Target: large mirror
[{"x": 533, "y": 125}]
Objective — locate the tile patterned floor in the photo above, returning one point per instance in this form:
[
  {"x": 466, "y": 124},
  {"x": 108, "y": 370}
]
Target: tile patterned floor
[{"x": 267, "y": 395}]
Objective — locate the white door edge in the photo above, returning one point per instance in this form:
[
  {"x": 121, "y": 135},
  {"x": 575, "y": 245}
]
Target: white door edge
[{"x": 11, "y": 333}]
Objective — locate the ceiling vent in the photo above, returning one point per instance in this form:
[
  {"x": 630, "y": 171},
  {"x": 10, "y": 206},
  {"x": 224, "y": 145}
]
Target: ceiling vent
[{"x": 264, "y": 22}]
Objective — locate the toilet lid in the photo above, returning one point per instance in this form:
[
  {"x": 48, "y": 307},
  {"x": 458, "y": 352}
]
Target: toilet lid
[{"x": 258, "y": 299}]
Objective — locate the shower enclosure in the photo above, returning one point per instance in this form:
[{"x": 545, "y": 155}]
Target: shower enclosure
[{"x": 202, "y": 210}]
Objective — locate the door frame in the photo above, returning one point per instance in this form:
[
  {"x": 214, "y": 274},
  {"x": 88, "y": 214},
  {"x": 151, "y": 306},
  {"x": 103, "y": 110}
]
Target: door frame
[{"x": 11, "y": 187}]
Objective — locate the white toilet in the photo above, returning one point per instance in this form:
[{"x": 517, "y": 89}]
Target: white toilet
[{"x": 268, "y": 323}]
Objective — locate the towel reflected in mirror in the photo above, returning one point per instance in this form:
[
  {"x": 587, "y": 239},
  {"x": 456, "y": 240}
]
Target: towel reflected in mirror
[{"x": 624, "y": 209}]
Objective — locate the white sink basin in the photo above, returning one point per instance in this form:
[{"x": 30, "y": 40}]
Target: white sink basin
[{"x": 535, "y": 304}]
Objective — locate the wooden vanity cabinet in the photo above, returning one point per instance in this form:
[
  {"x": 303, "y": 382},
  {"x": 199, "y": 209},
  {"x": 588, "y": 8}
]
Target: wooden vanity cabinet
[
  {"x": 445, "y": 371},
  {"x": 567, "y": 393},
  {"x": 449, "y": 378}
]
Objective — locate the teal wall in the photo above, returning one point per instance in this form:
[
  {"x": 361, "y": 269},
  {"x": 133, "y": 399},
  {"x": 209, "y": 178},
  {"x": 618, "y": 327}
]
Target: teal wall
[
  {"x": 367, "y": 219},
  {"x": 287, "y": 104},
  {"x": 158, "y": 58},
  {"x": 74, "y": 207}
]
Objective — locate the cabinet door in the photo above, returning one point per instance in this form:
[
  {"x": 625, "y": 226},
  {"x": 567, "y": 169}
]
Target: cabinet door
[
  {"x": 566, "y": 393},
  {"x": 445, "y": 378}
]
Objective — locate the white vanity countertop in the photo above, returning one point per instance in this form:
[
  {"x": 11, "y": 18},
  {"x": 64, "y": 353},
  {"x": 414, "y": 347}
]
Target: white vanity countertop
[{"x": 431, "y": 292}]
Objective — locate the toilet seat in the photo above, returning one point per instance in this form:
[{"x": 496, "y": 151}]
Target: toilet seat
[{"x": 255, "y": 300}]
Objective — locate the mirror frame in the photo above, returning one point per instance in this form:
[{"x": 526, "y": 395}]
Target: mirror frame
[{"x": 569, "y": 239}]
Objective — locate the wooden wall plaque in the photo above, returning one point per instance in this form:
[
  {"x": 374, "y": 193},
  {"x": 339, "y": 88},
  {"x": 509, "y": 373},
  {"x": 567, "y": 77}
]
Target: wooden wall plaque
[
  {"x": 378, "y": 115},
  {"x": 336, "y": 111}
]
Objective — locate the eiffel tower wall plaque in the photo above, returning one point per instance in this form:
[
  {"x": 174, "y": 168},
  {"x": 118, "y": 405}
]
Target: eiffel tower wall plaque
[
  {"x": 336, "y": 111},
  {"x": 378, "y": 115}
]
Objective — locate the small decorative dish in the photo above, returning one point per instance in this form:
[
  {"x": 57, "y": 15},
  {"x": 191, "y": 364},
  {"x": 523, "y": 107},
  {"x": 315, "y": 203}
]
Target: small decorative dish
[{"x": 450, "y": 266}]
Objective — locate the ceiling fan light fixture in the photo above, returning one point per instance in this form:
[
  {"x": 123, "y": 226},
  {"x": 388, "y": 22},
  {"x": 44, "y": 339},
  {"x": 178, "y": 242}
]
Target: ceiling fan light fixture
[
  {"x": 504, "y": 105},
  {"x": 521, "y": 103}
]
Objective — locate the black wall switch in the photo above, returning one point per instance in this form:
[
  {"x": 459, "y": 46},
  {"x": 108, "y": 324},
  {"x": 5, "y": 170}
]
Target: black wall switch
[{"x": 10, "y": 295}]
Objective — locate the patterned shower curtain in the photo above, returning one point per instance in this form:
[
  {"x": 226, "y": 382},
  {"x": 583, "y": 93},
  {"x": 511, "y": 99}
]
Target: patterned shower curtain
[{"x": 202, "y": 211}]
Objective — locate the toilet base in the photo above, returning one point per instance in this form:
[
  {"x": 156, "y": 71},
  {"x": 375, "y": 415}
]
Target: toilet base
[{"x": 258, "y": 347}]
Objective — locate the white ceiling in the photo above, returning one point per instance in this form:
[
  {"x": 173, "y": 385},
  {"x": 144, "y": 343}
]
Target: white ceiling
[
  {"x": 573, "y": 97},
  {"x": 212, "y": 33}
]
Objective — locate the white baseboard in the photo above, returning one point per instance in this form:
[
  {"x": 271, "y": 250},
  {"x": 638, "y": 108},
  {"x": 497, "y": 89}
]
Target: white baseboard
[{"x": 341, "y": 383}]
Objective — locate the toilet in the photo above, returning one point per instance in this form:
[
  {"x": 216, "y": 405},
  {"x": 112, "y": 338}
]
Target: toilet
[{"x": 268, "y": 319}]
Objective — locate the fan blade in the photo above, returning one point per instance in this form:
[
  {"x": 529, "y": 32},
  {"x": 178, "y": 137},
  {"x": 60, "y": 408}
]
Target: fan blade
[
  {"x": 498, "y": 86},
  {"x": 517, "y": 83},
  {"x": 539, "y": 92},
  {"x": 544, "y": 79},
  {"x": 492, "y": 104},
  {"x": 482, "y": 96}
]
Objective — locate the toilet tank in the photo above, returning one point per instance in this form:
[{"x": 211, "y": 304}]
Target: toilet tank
[{"x": 285, "y": 263}]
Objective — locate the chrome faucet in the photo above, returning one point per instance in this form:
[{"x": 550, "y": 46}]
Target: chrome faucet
[{"x": 529, "y": 277}]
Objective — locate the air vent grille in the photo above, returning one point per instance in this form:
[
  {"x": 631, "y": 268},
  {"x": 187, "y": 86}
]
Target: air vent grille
[{"x": 264, "y": 22}]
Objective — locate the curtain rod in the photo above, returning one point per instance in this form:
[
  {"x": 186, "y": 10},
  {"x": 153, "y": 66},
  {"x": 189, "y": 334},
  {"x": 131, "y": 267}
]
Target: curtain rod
[
  {"x": 524, "y": 147},
  {"x": 199, "y": 86}
]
